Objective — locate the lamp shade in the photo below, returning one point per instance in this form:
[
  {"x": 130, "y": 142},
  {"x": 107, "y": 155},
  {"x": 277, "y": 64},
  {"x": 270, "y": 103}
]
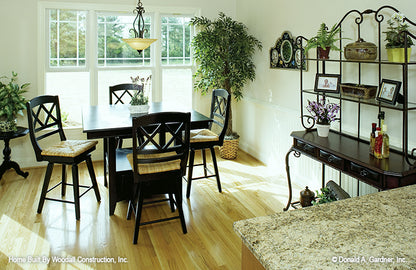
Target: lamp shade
[{"x": 139, "y": 44}]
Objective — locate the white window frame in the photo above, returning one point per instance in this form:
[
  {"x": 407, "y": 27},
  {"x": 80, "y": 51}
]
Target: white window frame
[
  {"x": 192, "y": 34},
  {"x": 91, "y": 46}
]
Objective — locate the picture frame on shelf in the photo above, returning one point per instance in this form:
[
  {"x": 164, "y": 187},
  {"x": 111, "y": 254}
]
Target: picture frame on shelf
[
  {"x": 388, "y": 91},
  {"x": 327, "y": 83}
]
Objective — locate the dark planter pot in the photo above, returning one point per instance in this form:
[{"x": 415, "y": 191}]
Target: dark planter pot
[{"x": 323, "y": 54}]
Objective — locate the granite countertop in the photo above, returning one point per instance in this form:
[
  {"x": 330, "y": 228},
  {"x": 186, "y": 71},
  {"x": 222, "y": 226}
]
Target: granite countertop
[{"x": 375, "y": 231}]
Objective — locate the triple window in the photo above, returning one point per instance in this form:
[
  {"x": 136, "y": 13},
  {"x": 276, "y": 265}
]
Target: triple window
[{"x": 86, "y": 55}]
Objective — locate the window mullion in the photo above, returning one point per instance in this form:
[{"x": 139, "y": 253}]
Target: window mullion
[
  {"x": 77, "y": 40},
  {"x": 58, "y": 38},
  {"x": 92, "y": 48},
  {"x": 183, "y": 42}
]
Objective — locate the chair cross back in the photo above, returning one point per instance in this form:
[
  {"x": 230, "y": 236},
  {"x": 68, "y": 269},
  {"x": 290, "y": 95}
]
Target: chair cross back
[
  {"x": 121, "y": 93},
  {"x": 219, "y": 115},
  {"x": 40, "y": 118}
]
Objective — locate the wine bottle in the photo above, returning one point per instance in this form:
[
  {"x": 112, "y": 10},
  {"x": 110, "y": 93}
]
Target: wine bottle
[{"x": 386, "y": 144}]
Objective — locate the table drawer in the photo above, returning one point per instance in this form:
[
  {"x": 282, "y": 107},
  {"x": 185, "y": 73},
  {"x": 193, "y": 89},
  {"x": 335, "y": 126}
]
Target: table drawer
[
  {"x": 365, "y": 174},
  {"x": 304, "y": 147},
  {"x": 331, "y": 159}
]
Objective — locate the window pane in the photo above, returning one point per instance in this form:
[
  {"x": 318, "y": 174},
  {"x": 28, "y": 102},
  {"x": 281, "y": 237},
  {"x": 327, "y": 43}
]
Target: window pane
[
  {"x": 175, "y": 40},
  {"x": 73, "y": 91},
  {"x": 108, "y": 78},
  {"x": 177, "y": 85},
  {"x": 112, "y": 50},
  {"x": 67, "y": 32}
]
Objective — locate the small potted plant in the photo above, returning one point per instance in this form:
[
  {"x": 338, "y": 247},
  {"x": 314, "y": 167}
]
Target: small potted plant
[
  {"x": 395, "y": 38},
  {"x": 139, "y": 102},
  {"x": 324, "y": 41},
  {"x": 12, "y": 102},
  {"x": 324, "y": 113},
  {"x": 324, "y": 197}
]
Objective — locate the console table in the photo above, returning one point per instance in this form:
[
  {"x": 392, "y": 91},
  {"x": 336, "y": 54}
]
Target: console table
[
  {"x": 350, "y": 156},
  {"x": 7, "y": 163}
]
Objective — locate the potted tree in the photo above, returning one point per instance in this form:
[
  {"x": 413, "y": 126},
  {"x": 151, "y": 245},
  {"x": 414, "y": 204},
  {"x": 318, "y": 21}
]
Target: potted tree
[
  {"x": 324, "y": 41},
  {"x": 223, "y": 50},
  {"x": 12, "y": 102},
  {"x": 395, "y": 37}
]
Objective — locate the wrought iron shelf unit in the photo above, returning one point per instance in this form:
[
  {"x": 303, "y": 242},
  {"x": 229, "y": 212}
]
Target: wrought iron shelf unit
[
  {"x": 343, "y": 151},
  {"x": 380, "y": 16}
]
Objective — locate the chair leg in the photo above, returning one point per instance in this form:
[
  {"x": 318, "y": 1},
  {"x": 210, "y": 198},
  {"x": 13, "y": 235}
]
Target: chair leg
[
  {"x": 204, "y": 162},
  {"x": 75, "y": 180},
  {"x": 217, "y": 175},
  {"x": 63, "y": 191},
  {"x": 172, "y": 202},
  {"x": 105, "y": 141},
  {"x": 178, "y": 199},
  {"x": 191, "y": 167},
  {"x": 93, "y": 179},
  {"x": 132, "y": 200},
  {"x": 46, "y": 181},
  {"x": 139, "y": 207}
]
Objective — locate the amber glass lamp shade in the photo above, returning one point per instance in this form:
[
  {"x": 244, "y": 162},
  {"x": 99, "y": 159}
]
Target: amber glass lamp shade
[{"x": 139, "y": 44}]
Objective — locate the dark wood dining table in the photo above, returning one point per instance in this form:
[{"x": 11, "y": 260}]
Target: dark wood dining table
[{"x": 108, "y": 122}]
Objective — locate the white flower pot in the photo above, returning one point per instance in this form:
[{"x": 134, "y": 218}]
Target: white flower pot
[
  {"x": 138, "y": 109},
  {"x": 323, "y": 130}
]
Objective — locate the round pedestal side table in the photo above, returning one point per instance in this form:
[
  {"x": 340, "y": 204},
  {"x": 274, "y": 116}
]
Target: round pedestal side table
[{"x": 7, "y": 163}]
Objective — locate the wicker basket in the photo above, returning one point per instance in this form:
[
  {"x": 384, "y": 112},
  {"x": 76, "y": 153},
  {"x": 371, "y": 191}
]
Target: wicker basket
[
  {"x": 229, "y": 149},
  {"x": 358, "y": 90}
]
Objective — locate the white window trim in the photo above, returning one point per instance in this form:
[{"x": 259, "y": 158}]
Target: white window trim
[{"x": 90, "y": 54}]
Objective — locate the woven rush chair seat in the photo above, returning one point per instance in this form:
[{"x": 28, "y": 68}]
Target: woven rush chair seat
[
  {"x": 158, "y": 167},
  {"x": 44, "y": 120},
  {"x": 160, "y": 153},
  {"x": 69, "y": 148},
  {"x": 203, "y": 139},
  {"x": 203, "y": 135}
]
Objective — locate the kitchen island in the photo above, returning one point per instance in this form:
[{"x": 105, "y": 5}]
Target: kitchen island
[{"x": 375, "y": 231}]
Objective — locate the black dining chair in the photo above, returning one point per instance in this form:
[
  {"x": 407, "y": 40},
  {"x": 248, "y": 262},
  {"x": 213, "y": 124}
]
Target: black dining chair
[
  {"x": 120, "y": 94},
  {"x": 160, "y": 152},
  {"x": 202, "y": 139},
  {"x": 44, "y": 119}
]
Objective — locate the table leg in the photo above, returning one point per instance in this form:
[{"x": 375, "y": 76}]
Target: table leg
[
  {"x": 111, "y": 155},
  {"x": 7, "y": 163},
  {"x": 289, "y": 182}
]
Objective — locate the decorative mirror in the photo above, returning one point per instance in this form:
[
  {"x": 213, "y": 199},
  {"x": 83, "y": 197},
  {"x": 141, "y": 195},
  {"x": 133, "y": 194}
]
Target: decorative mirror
[{"x": 287, "y": 54}]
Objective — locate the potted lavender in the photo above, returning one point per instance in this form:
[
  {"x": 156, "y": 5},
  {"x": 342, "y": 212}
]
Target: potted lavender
[{"x": 324, "y": 113}]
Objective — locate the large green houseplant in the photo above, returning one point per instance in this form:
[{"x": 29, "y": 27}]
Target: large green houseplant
[
  {"x": 12, "y": 102},
  {"x": 223, "y": 50},
  {"x": 324, "y": 40}
]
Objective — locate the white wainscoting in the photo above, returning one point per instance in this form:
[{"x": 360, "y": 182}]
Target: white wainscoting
[{"x": 265, "y": 129}]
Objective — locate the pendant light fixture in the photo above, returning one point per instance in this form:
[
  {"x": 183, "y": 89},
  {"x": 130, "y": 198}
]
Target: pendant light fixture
[{"x": 138, "y": 42}]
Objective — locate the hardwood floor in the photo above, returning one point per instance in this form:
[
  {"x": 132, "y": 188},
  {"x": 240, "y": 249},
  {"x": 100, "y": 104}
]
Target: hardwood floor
[{"x": 209, "y": 244}]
